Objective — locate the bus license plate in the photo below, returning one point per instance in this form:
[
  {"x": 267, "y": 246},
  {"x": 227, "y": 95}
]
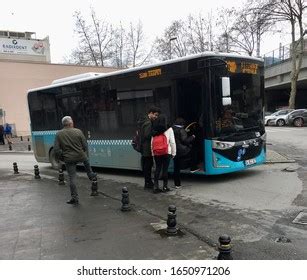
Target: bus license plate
[{"x": 250, "y": 161}]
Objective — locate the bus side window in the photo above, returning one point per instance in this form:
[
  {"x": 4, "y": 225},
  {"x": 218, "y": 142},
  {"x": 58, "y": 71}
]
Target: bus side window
[
  {"x": 50, "y": 111},
  {"x": 132, "y": 105},
  {"x": 37, "y": 111},
  {"x": 163, "y": 97}
]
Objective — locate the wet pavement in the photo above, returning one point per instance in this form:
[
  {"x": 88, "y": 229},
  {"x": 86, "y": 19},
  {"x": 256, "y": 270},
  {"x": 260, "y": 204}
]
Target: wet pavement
[
  {"x": 255, "y": 207},
  {"x": 36, "y": 223}
]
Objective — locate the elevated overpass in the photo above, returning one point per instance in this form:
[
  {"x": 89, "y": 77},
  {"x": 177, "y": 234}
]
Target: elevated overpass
[{"x": 277, "y": 79}]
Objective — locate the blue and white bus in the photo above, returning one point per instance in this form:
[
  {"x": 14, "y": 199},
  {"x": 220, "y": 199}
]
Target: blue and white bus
[{"x": 198, "y": 88}]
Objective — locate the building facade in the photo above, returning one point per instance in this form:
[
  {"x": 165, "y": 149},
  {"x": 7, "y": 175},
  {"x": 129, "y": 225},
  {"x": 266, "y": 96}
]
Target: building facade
[
  {"x": 23, "y": 46},
  {"x": 25, "y": 64}
]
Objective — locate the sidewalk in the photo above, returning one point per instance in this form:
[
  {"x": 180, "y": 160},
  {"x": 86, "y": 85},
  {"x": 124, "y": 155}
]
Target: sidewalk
[
  {"x": 23, "y": 146},
  {"x": 18, "y": 145},
  {"x": 36, "y": 223}
]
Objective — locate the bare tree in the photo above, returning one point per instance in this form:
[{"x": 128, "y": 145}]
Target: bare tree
[
  {"x": 173, "y": 43},
  {"x": 94, "y": 41},
  {"x": 137, "y": 53},
  {"x": 291, "y": 11},
  {"x": 225, "y": 21},
  {"x": 199, "y": 33},
  {"x": 242, "y": 29},
  {"x": 119, "y": 46}
]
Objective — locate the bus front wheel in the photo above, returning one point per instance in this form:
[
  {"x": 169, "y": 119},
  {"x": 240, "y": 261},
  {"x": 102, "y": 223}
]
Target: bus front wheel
[{"x": 54, "y": 162}]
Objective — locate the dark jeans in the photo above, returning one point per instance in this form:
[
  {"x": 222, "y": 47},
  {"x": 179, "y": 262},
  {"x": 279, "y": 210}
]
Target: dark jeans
[
  {"x": 177, "y": 168},
  {"x": 2, "y": 139},
  {"x": 72, "y": 175},
  {"x": 162, "y": 163},
  {"x": 147, "y": 163}
]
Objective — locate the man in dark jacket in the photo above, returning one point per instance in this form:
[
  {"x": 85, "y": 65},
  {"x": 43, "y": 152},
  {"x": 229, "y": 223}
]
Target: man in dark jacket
[
  {"x": 71, "y": 147},
  {"x": 2, "y": 135},
  {"x": 183, "y": 145},
  {"x": 146, "y": 134}
]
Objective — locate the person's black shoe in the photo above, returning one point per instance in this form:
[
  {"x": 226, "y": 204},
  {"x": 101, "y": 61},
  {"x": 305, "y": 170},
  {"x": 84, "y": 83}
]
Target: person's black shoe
[
  {"x": 166, "y": 189},
  {"x": 94, "y": 177},
  {"x": 72, "y": 201},
  {"x": 148, "y": 186},
  {"x": 94, "y": 193},
  {"x": 157, "y": 190}
]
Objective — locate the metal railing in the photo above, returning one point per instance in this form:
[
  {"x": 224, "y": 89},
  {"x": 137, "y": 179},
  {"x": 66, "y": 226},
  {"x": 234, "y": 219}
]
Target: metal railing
[
  {"x": 277, "y": 56},
  {"x": 281, "y": 54}
]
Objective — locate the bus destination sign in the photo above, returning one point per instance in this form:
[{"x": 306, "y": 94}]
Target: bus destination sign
[
  {"x": 150, "y": 73},
  {"x": 249, "y": 68},
  {"x": 243, "y": 67}
]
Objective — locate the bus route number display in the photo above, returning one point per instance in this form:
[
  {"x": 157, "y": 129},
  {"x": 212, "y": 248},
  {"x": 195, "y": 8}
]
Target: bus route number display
[
  {"x": 249, "y": 68},
  {"x": 150, "y": 73},
  {"x": 244, "y": 67}
]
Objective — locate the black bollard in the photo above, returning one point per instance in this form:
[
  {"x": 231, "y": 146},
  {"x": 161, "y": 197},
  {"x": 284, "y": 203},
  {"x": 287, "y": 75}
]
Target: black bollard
[
  {"x": 224, "y": 248},
  {"x": 36, "y": 172},
  {"x": 29, "y": 147},
  {"x": 171, "y": 221},
  {"x": 10, "y": 146},
  {"x": 94, "y": 187},
  {"x": 61, "y": 177},
  {"x": 21, "y": 139},
  {"x": 125, "y": 200},
  {"x": 15, "y": 167}
]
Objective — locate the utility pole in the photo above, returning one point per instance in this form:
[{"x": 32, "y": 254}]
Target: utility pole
[{"x": 170, "y": 45}]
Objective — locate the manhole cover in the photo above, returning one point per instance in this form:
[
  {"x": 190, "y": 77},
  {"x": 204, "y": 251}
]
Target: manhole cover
[{"x": 301, "y": 219}]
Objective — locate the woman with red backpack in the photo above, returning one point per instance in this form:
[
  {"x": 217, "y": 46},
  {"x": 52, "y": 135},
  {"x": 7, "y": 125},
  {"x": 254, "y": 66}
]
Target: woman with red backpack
[{"x": 163, "y": 147}]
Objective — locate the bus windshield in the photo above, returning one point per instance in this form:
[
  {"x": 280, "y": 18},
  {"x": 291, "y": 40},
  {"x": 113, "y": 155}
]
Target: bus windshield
[{"x": 243, "y": 115}]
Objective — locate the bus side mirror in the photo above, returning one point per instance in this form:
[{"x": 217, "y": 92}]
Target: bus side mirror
[
  {"x": 226, "y": 101},
  {"x": 226, "y": 91},
  {"x": 226, "y": 86}
]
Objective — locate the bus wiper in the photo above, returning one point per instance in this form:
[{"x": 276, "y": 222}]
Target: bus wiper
[
  {"x": 250, "y": 128},
  {"x": 225, "y": 137}
]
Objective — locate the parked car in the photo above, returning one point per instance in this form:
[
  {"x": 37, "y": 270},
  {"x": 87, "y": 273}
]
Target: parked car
[
  {"x": 267, "y": 114},
  {"x": 297, "y": 118},
  {"x": 277, "y": 118}
]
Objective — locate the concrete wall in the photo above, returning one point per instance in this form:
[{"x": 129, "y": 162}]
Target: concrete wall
[
  {"x": 16, "y": 78},
  {"x": 279, "y": 74}
]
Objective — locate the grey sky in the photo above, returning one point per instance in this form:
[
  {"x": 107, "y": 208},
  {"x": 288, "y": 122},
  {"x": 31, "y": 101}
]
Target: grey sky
[{"x": 54, "y": 18}]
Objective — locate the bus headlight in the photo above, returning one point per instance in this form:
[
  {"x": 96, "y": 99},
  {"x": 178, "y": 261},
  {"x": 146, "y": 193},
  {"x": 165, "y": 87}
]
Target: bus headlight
[{"x": 219, "y": 145}]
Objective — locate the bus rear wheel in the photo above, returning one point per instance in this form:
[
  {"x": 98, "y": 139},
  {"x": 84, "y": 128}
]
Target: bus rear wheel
[{"x": 53, "y": 161}]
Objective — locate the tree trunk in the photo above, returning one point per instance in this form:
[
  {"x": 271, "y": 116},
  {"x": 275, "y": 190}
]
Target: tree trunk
[
  {"x": 292, "y": 94},
  {"x": 293, "y": 74}
]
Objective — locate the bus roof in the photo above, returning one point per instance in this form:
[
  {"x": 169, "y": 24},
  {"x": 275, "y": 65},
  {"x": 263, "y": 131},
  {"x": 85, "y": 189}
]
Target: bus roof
[{"x": 92, "y": 76}]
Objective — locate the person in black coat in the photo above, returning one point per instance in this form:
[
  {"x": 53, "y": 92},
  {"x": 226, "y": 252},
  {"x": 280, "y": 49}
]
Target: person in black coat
[
  {"x": 2, "y": 135},
  {"x": 183, "y": 145},
  {"x": 146, "y": 134}
]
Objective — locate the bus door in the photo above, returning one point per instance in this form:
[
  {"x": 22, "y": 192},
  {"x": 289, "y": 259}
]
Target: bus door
[
  {"x": 72, "y": 105},
  {"x": 190, "y": 104}
]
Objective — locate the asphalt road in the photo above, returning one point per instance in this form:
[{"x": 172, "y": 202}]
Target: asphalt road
[{"x": 255, "y": 207}]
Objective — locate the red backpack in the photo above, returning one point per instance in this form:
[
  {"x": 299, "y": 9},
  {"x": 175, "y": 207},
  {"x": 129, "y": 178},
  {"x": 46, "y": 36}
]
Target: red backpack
[{"x": 159, "y": 145}]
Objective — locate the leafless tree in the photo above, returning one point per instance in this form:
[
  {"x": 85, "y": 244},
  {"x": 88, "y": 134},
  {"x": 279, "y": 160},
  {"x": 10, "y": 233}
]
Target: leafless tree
[
  {"x": 199, "y": 33},
  {"x": 119, "y": 46},
  {"x": 173, "y": 43},
  {"x": 94, "y": 40},
  {"x": 224, "y": 23},
  {"x": 293, "y": 12},
  {"x": 250, "y": 25},
  {"x": 136, "y": 52}
]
